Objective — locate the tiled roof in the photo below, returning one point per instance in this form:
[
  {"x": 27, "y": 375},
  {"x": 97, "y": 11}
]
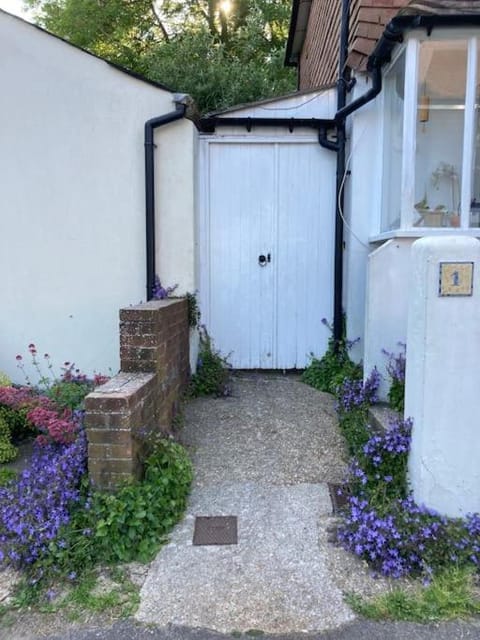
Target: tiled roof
[
  {"x": 373, "y": 15},
  {"x": 367, "y": 22},
  {"x": 441, "y": 7}
]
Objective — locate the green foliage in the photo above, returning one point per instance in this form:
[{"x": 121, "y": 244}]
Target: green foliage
[
  {"x": 68, "y": 394},
  {"x": 108, "y": 591},
  {"x": 7, "y": 476},
  {"x": 193, "y": 310},
  {"x": 329, "y": 372},
  {"x": 354, "y": 426},
  {"x": 5, "y": 380},
  {"x": 195, "y": 46},
  {"x": 211, "y": 378},
  {"x": 8, "y": 451},
  {"x": 16, "y": 420},
  {"x": 127, "y": 525},
  {"x": 396, "y": 365},
  {"x": 218, "y": 76},
  {"x": 451, "y": 594},
  {"x": 396, "y": 395}
]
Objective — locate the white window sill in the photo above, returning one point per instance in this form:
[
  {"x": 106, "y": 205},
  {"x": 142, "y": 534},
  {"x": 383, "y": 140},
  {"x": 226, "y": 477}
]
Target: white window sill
[{"x": 425, "y": 231}]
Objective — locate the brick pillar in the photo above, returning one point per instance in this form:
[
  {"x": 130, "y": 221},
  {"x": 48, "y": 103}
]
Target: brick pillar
[{"x": 124, "y": 415}]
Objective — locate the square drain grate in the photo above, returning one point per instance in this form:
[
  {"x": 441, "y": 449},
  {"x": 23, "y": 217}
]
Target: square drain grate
[
  {"x": 339, "y": 496},
  {"x": 215, "y": 530}
]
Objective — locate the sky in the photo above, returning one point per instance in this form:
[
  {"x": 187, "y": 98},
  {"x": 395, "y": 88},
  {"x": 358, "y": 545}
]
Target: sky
[{"x": 14, "y": 6}]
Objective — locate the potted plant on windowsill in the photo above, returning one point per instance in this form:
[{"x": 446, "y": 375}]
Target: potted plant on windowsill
[
  {"x": 448, "y": 172},
  {"x": 441, "y": 215}
]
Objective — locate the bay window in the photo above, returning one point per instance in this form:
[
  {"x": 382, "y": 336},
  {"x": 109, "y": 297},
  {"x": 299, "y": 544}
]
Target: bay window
[{"x": 431, "y": 134}]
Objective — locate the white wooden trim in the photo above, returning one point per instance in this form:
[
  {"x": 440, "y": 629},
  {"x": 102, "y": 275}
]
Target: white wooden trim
[
  {"x": 203, "y": 170},
  {"x": 377, "y": 217},
  {"x": 445, "y": 33},
  {"x": 425, "y": 231},
  {"x": 409, "y": 135},
  {"x": 468, "y": 134}
]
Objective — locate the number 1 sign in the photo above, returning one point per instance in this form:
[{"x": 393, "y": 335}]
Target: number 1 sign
[{"x": 456, "y": 279}]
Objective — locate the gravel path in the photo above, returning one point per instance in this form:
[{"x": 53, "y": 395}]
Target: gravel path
[{"x": 264, "y": 455}]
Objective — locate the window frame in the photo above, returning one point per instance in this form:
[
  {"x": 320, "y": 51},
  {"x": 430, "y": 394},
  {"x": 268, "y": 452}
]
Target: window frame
[{"x": 411, "y": 47}]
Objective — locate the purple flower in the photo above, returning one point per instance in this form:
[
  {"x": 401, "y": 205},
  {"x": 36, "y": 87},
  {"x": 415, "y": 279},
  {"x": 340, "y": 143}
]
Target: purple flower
[
  {"x": 159, "y": 292},
  {"x": 33, "y": 510}
]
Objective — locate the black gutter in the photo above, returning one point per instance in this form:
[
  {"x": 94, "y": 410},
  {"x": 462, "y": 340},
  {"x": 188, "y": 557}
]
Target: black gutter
[
  {"x": 150, "y": 127},
  {"x": 393, "y": 33},
  {"x": 209, "y": 123}
]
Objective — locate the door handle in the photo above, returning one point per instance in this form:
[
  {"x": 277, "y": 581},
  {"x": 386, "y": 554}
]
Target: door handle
[{"x": 264, "y": 260}]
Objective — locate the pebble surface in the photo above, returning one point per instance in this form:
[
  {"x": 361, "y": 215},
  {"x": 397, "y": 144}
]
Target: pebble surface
[{"x": 265, "y": 455}]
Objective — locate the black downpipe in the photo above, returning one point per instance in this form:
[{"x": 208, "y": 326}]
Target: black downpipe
[
  {"x": 339, "y": 191},
  {"x": 372, "y": 93},
  {"x": 150, "y": 127}
]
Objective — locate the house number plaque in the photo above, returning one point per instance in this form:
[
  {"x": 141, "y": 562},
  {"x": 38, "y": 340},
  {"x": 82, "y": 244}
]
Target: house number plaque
[{"x": 456, "y": 279}]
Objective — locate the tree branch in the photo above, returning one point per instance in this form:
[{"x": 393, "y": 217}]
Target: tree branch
[{"x": 159, "y": 22}]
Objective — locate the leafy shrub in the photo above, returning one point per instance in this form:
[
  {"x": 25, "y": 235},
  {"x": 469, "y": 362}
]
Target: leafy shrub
[
  {"x": 17, "y": 421},
  {"x": 129, "y": 524},
  {"x": 193, "y": 310},
  {"x": 38, "y": 414},
  {"x": 353, "y": 400},
  {"x": 8, "y": 451},
  {"x": 5, "y": 380},
  {"x": 69, "y": 395},
  {"x": 212, "y": 376},
  {"x": 7, "y": 476},
  {"x": 329, "y": 372},
  {"x": 396, "y": 370}
]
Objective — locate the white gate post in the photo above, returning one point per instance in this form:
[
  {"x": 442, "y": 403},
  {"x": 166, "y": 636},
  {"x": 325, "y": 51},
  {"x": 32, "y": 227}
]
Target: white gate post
[{"x": 443, "y": 374}]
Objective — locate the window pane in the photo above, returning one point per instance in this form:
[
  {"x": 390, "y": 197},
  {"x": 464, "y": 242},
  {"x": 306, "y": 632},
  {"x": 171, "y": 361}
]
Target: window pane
[
  {"x": 393, "y": 145},
  {"x": 440, "y": 117},
  {"x": 475, "y": 202}
]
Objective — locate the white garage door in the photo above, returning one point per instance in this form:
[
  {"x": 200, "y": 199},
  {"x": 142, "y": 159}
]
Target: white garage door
[{"x": 266, "y": 250}]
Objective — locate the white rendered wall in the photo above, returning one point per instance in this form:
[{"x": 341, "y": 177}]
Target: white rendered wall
[
  {"x": 363, "y": 191},
  {"x": 175, "y": 192},
  {"x": 387, "y": 295},
  {"x": 442, "y": 382},
  {"x": 72, "y": 207}
]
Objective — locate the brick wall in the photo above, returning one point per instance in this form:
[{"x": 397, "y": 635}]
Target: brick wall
[{"x": 124, "y": 415}]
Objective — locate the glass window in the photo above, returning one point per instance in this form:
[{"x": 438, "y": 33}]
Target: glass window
[
  {"x": 393, "y": 145},
  {"x": 439, "y": 137}
]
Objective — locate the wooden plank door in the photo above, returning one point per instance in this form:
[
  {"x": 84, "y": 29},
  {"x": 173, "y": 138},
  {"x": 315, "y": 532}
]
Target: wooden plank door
[{"x": 266, "y": 251}]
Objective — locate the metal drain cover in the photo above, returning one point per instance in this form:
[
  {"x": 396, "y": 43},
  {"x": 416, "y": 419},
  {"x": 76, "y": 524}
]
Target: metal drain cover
[
  {"x": 215, "y": 530},
  {"x": 339, "y": 496}
]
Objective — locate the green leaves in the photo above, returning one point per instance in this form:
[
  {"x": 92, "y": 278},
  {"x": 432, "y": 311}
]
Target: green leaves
[
  {"x": 132, "y": 523},
  {"x": 220, "y": 59},
  {"x": 329, "y": 372},
  {"x": 211, "y": 378}
]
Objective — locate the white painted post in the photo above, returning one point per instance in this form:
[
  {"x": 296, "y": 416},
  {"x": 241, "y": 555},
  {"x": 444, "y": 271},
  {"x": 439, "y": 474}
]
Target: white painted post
[{"x": 443, "y": 374}]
